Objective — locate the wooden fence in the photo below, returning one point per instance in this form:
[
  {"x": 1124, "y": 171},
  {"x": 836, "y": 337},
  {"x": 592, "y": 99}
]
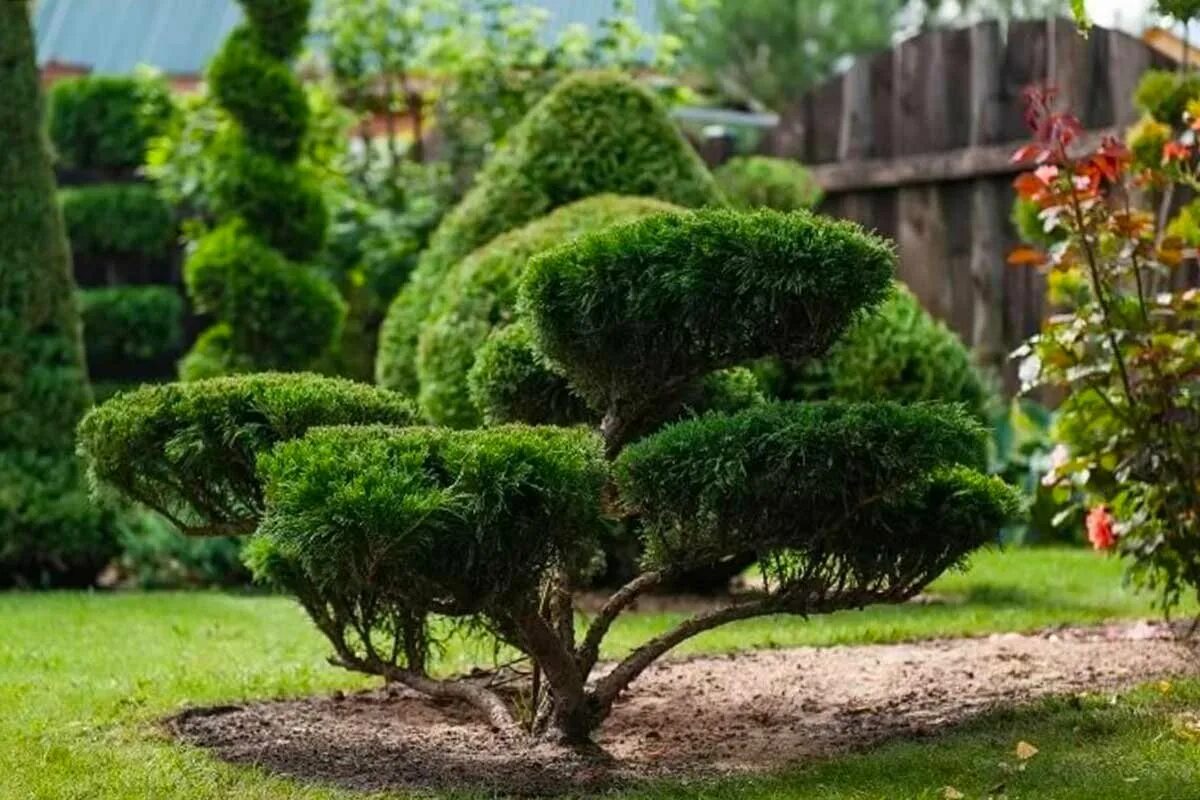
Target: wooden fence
[{"x": 916, "y": 143}]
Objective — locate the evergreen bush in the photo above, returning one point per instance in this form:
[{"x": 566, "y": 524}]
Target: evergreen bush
[
  {"x": 595, "y": 133},
  {"x": 750, "y": 182},
  {"x": 50, "y": 534},
  {"x": 900, "y": 353},
  {"x": 273, "y": 311},
  {"x": 117, "y": 220},
  {"x": 104, "y": 122},
  {"x": 479, "y": 294},
  {"x": 129, "y": 330},
  {"x": 376, "y": 527}
]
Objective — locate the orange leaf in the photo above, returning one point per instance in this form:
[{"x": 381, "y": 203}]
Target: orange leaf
[{"x": 1026, "y": 257}]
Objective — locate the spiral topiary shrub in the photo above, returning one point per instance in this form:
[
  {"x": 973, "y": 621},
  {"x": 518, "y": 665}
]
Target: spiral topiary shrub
[
  {"x": 750, "y": 182},
  {"x": 593, "y": 134},
  {"x": 272, "y": 310},
  {"x": 900, "y": 353},
  {"x": 376, "y": 528},
  {"x": 479, "y": 294}
]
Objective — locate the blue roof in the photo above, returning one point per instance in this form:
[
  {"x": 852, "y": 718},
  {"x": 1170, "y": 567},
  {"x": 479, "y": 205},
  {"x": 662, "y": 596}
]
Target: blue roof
[{"x": 180, "y": 36}]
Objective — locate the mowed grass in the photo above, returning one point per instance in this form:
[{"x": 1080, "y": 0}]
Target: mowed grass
[{"x": 84, "y": 680}]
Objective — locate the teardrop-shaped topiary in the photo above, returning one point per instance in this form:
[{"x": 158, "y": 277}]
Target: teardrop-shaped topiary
[{"x": 595, "y": 133}]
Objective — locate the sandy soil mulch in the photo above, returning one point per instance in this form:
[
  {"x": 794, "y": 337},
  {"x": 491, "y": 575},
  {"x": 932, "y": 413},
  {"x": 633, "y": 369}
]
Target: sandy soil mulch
[{"x": 698, "y": 717}]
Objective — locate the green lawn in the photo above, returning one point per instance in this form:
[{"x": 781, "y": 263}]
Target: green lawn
[{"x": 83, "y": 678}]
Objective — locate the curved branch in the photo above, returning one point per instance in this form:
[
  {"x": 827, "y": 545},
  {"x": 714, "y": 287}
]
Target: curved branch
[
  {"x": 609, "y": 687},
  {"x": 487, "y": 701},
  {"x": 589, "y": 649}
]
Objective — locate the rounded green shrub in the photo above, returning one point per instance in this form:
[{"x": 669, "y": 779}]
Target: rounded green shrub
[
  {"x": 105, "y": 122},
  {"x": 899, "y": 353},
  {"x": 280, "y": 203},
  {"x": 278, "y": 315},
  {"x": 212, "y": 355},
  {"x": 127, "y": 326},
  {"x": 595, "y": 133},
  {"x": 898, "y": 490},
  {"x": 117, "y": 220},
  {"x": 630, "y": 312},
  {"x": 750, "y": 182},
  {"x": 188, "y": 450},
  {"x": 455, "y": 522},
  {"x": 479, "y": 294},
  {"x": 510, "y": 382},
  {"x": 261, "y": 92},
  {"x": 1164, "y": 94}
]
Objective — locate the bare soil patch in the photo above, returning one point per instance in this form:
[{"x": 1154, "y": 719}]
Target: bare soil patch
[{"x": 694, "y": 718}]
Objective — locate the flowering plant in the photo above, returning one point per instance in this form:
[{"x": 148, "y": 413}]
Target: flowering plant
[{"x": 1122, "y": 345}]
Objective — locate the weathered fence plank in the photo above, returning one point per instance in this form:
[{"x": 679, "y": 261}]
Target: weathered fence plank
[{"x": 917, "y": 144}]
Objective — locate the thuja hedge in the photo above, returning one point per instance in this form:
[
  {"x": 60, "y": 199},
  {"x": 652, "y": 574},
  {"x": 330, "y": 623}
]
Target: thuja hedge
[
  {"x": 104, "y": 122},
  {"x": 375, "y": 524},
  {"x": 49, "y": 532},
  {"x": 117, "y": 220},
  {"x": 272, "y": 310},
  {"x": 593, "y": 134},
  {"x": 130, "y": 329}
]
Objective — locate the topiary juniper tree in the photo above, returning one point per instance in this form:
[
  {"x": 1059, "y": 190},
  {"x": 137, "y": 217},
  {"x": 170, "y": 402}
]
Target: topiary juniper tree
[
  {"x": 378, "y": 529},
  {"x": 249, "y": 272}
]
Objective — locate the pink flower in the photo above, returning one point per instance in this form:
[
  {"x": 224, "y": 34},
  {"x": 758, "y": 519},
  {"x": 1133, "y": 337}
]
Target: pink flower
[{"x": 1100, "y": 528}]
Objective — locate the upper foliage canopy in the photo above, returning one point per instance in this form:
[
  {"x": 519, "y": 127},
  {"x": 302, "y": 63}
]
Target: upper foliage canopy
[
  {"x": 638, "y": 311},
  {"x": 188, "y": 450},
  {"x": 595, "y": 133},
  {"x": 480, "y": 294}
]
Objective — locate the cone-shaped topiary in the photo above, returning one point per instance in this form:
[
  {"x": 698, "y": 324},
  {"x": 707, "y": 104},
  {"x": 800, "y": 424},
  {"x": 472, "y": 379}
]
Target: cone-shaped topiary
[
  {"x": 480, "y": 294},
  {"x": 49, "y": 533},
  {"x": 593, "y": 134},
  {"x": 272, "y": 311},
  {"x": 374, "y": 529}
]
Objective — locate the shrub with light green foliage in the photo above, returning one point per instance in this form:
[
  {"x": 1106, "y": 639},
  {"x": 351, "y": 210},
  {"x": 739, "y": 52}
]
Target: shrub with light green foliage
[
  {"x": 50, "y": 533},
  {"x": 751, "y": 182},
  {"x": 1164, "y": 94},
  {"x": 105, "y": 122},
  {"x": 260, "y": 91},
  {"x": 117, "y": 220},
  {"x": 275, "y": 315},
  {"x": 272, "y": 309},
  {"x": 129, "y": 328},
  {"x": 479, "y": 294},
  {"x": 900, "y": 353},
  {"x": 595, "y": 133},
  {"x": 377, "y": 528},
  {"x": 188, "y": 450}
]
